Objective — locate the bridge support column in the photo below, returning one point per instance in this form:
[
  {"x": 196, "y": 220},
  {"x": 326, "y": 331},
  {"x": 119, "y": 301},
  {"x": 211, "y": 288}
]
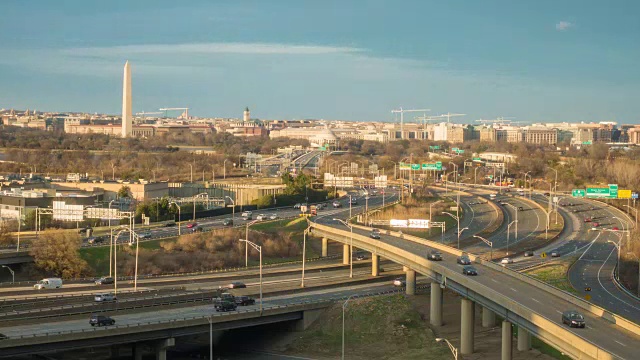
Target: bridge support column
[
  {"x": 488, "y": 318},
  {"x": 138, "y": 351},
  {"x": 375, "y": 265},
  {"x": 405, "y": 268},
  {"x": 346, "y": 254},
  {"x": 435, "y": 311},
  {"x": 411, "y": 282},
  {"x": 506, "y": 340},
  {"x": 161, "y": 348},
  {"x": 467, "y": 315},
  {"x": 524, "y": 339},
  {"x": 325, "y": 247}
]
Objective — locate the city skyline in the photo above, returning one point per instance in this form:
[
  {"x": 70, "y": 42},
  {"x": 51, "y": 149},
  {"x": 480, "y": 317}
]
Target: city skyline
[{"x": 546, "y": 62}]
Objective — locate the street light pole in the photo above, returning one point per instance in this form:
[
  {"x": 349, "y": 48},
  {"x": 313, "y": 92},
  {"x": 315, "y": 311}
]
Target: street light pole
[
  {"x": 488, "y": 243},
  {"x": 246, "y": 247},
  {"x": 457, "y": 219},
  {"x": 179, "y": 215},
  {"x": 224, "y": 169},
  {"x": 233, "y": 210},
  {"x": 13, "y": 274},
  {"x": 304, "y": 251},
  {"x": 259, "y": 248},
  {"x": 431, "y": 205},
  {"x": 454, "y": 350},
  {"x": 508, "y": 230},
  {"x": 617, "y": 245}
]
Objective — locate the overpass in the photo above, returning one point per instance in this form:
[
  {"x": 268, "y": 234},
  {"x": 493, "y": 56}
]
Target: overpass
[{"x": 533, "y": 306}]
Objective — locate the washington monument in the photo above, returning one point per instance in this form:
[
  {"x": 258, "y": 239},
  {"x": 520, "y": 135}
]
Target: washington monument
[{"x": 127, "y": 122}]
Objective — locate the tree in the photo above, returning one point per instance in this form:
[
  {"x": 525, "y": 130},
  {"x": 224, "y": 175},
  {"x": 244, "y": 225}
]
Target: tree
[
  {"x": 56, "y": 253},
  {"x": 5, "y": 233},
  {"x": 124, "y": 191}
]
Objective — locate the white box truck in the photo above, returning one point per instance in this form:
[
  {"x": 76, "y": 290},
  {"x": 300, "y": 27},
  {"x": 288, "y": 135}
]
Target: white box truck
[{"x": 49, "y": 283}]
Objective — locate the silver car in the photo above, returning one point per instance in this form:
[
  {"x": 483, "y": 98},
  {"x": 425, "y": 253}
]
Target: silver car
[{"x": 106, "y": 297}]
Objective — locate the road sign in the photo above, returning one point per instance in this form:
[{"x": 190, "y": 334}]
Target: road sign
[
  {"x": 460, "y": 151},
  {"x": 587, "y": 143},
  {"x": 578, "y": 193},
  {"x": 543, "y": 255},
  {"x": 613, "y": 191},
  {"x": 454, "y": 149},
  {"x": 477, "y": 159},
  {"x": 404, "y": 166},
  {"x": 434, "y": 147},
  {"x": 610, "y": 192},
  {"x": 418, "y": 223},
  {"x": 634, "y": 195},
  {"x": 624, "y": 194}
]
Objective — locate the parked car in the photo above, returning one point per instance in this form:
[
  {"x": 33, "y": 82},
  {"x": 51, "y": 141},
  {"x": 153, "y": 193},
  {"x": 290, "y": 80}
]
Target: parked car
[
  {"x": 434, "y": 255},
  {"x": 145, "y": 235},
  {"x": 192, "y": 225},
  {"x": 595, "y": 224},
  {"x": 170, "y": 224},
  {"x": 273, "y": 216},
  {"x": 573, "y": 319},
  {"x": 463, "y": 260},
  {"x": 106, "y": 297},
  {"x": 105, "y": 280},
  {"x": 245, "y": 300},
  {"x": 237, "y": 285},
  {"x": 227, "y": 222},
  {"x": 261, "y": 217},
  {"x": 547, "y": 194},
  {"x": 528, "y": 253},
  {"x": 506, "y": 261},
  {"x": 101, "y": 320},
  {"x": 337, "y": 204},
  {"x": 399, "y": 282},
  {"x": 588, "y": 219},
  {"x": 469, "y": 270}
]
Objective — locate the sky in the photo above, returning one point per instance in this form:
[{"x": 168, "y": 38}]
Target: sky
[{"x": 533, "y": 61}]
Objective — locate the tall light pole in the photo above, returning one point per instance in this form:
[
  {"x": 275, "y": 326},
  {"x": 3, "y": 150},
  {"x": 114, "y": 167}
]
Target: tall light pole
[
  {"x": 515, "y": 209},
  {"x": 191, "y": 166},
  {"x": 454, "y": 350},
  {"x": 179, "y": 215},
  {"x": 430, "y": 206},
  {"x": 457, "y": 219},
  {"x": 13, "y": 275},
  {"x": 259, "y": 248},
  {"x": 508, "y": 230},
  {"x": 617, "y": 245},
  {"x": 488, "y": 243},
  {"x": 135, "y": 276},
  {"x": 233, "y": 210},
  {"x": 350, "y": 245},
  {"x": 224, "y": 169},
  {"x": 304, "y": 251},
  {"x": 246, "y": 246},
  {"x": 344, "y": 307}
]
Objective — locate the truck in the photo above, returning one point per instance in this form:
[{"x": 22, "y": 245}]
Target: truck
[{"x": 48, "y": 283}]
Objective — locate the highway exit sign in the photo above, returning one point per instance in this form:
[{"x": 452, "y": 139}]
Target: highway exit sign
[{"x": 578, "y": 193}]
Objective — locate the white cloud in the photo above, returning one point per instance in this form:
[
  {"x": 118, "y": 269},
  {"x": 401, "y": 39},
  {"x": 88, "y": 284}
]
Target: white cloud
[{"x": 564, "y": 25}]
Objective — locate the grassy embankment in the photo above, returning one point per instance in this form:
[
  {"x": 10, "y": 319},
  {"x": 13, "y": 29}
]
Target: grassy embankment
[{"x": 555, "y": 275}]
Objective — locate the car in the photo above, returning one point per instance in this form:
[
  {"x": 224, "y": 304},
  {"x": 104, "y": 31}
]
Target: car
[
  {"x": 261, "y": 217},
  {"x": 463, "y": 260},
  {"x": 105, "y": 280},
  {"x": 297, "y": 206},
  {"x": 506, "y": 261},
  {"x": 615, "y": 228},
  {"x": 520, "y": 208},
  {"x": 84, "y": 229},
  {"x": 225, "y": 306},
  {"x": 573, "y": 319},
  {"x": 106, "y": 297},
  {"x": 353, "y": 201},
  {"x": 588, "y": 219},
  {"x": 547, "y": 194},
  {"x": 145, "y": 235},
  {"x": 227, "y": 222},
  {"x": 528, "y": 253},
  {"x": 375, "y": 234},
  {"x": 399, "y": 282},
  {"x": 89, "y": 240},
  {"x": 595, "y": 224},
  {"x": 434, "y": 255},
  {"x": 192, "y": 225},
  {"x": 361, "y": 257},
  {"x": 170, "y": 224},
  {"x": 101, "y": 320},
  {"x": 469, "y": 270},
  {"x": 197, "y": 229},
  {"x": 247, "y": 214},
  {"x": 555, "y": 253},
  {"x": 337, "y": 204},
  {"x": 244, "y": 300},
  {"x": 237, "y": 285},
  {"x": 273, "y": 216}
]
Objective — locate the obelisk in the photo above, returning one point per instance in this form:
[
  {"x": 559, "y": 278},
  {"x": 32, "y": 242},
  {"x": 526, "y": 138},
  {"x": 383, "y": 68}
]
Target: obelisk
[{"x": 127, "y": 118}]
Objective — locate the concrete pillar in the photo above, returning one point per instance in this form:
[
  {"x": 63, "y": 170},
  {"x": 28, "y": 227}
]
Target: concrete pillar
[
  {"x": 435, "y": 312},
  {"x": 411, "y": 282},
  {"x": 345, "y": 254},
  {"x": 138, "y": 351},
  {"x": 506, "y": 340},
  {"x": 375, "y": 265},
  {"x": 325, "y": 247},
  {"x": 524, "y": 339},
  {"x": 161, "y": 348},
  {"x": 405, "y": 268},
  {"x": 467, "y": 315},
  {"x": 488, "y": 318}
]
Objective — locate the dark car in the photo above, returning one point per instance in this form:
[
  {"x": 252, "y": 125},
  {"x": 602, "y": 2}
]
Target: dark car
[
  {"x": 101, "y": 320},
  {"x": 226, "y": 306},
  {"x": 197, "y": 228},
  {"x": 520, "y": 208},
  {"x": 84, "y": 229},
  {"x": 528, "y": 253},
  {"x": 361, "y": 257},
  {"x": 353, "y": 201},
  {"x": 464, "y": 260},
  {"x": 245, "y": 300},
  {"x": 227, "y": 222},
  {"x": 237, "y": 285},
  {"x": 434, "y": 255},
  {"x": 105, "y": 280},
  {"x": 375, "y": 234},
  {"x": 573, "y": 319},
  {"x": 170, "y": 224},
  {"x": 469, "y": 270}
]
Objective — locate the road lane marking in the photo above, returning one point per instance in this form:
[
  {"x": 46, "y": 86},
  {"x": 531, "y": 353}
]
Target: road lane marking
[
  {"x": 620, "y": 343},
  {"x": 535, "y": 300},
  {"x": 512, "y": 289}
]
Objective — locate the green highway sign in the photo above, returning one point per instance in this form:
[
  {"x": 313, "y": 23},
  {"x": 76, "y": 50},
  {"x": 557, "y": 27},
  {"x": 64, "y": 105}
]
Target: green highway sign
[
  {"x": 437, "y": 166},
  {"x": 610, "y": 192},
  {"x": 477, "y": 159},
  {"x": 434, "y": 147},
  {"x": 415, "y": 166},
  {"x": 578, "y": 193},
  {"x": 587, "y": 143},
  {"x": 454, "y": 149},
  {"x": 460, "y": 151}
]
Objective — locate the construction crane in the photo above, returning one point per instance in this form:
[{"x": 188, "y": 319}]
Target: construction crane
[
  {"x": 185, "y": 114},
  {"x": 501, "y": 120},
  {"x": 402, "y": 111},
  {"x": 144, "y": 113}
]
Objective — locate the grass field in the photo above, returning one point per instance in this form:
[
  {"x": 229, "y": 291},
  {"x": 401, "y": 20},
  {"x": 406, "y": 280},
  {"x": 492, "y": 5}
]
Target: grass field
[
  {"x": 555, "y": 275},
  {"x": 98, "y": 257}
]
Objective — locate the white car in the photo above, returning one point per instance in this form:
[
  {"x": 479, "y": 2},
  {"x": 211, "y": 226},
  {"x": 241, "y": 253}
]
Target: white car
[
  {"x": 247, "y": 214},
  {"x": 261, "y": 217},
  {"x": 506, "y": 261},
  {"x": 105, "y": 297},
  {"x": 399, "y": 282},
  {"x": 145, "y": 235},
  {"x": 273, "y": 216}
]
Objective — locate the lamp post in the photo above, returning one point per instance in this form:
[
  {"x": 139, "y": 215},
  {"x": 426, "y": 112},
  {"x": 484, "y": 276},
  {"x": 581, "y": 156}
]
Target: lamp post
[
  {"x": 233, "y": 210},
  {"x": 191, "y": 166},
  {"x": 457, "y": 219},
  {"x": 224, "y": 169},
  {"x": 259, "y": 248},
  {"x": 453, "y": 349},
  {"x": 460, "y": 233},
  {"x": 637, "y": 258},
  {"x": 246, "y": 247},
  {"x": 430, "y": 206},
  {"x": 636, "y": 212},
  {"x": 508, "y": 230},
  {"x": 13, "y": 275},
  {"x": 350, "y": 245},
  {"x": 304, "y": 252},
  {"x": 617, "y": 245},
  {"x": 179, "y": 217},
  {"x": 488, "y": 243},
  {"x": 135, "y": 276},
  {"x": 515, "y": 209},
  {"x": 344, "y": 307}
]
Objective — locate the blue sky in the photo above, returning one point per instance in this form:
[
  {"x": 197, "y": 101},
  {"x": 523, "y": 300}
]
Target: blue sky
[{"x": 544, "y": 60}]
